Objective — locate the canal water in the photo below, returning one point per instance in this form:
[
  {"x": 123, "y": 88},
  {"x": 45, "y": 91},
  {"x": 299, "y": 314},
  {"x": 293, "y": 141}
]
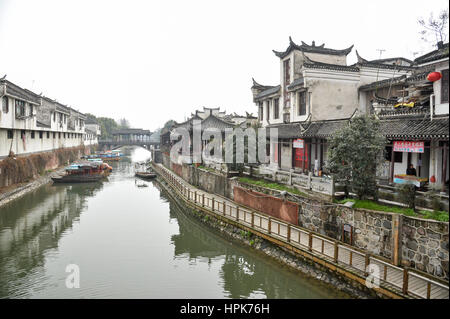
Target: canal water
[{"x": 130, "y": 241}]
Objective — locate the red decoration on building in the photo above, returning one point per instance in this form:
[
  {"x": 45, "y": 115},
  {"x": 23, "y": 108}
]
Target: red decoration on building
[{"x": 434, "y": 76}]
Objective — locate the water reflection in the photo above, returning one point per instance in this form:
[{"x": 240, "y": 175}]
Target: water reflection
[
  {"x": 244, "y": 273},
  {"x": 33, "y": 225},
  {"x": 130, "y": 242}
]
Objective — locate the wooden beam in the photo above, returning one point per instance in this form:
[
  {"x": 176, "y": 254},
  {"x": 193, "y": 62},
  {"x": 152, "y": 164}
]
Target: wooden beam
[{"x": 444, "y": 166}]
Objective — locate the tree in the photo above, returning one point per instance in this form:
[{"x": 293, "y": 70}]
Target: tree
[
  {"x": 107, "y": 126},
  {"x": 434, "y": 27},
  {"x": 123, "y": 123},
  {"x": 353, "y": 155},
  {"x": 169, "y": 124}
]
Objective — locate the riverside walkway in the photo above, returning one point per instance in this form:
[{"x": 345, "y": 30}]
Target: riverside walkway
[{"x": 395, "y": 282}]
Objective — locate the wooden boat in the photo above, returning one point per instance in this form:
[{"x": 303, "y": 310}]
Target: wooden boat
[
  {"x": 85, "y": 172},
  {"x": 73, "y": 178},
  {"x": 113, "y": 155},
  {"x": 145, "y": 175}
]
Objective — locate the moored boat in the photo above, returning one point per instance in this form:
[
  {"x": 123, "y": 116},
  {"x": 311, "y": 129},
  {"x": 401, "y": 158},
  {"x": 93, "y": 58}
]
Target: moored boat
[
  {"x": 90, "y": 171},
  {"x": 145, "y": 175}
]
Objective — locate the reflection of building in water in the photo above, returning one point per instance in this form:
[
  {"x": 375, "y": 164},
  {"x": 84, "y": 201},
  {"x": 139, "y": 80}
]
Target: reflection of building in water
[
  {"x": 33, "y": 225},
  {"x": 245, "y": 274}
]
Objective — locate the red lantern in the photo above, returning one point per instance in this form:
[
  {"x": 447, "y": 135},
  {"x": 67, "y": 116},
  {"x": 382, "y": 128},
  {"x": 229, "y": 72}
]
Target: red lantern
[
  {"x": 434, "y": 76},
  {"x": 432, "y": 179}
]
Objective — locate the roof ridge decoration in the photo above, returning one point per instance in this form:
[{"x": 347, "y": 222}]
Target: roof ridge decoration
[
  {"x": 311, "y": 48},
  {"x": 378, "y": 63},
  {"x": 322, "y": 65},
  {"x": 259, "y": 86},
  {"x": 218, "y": 118},
  {"x": 360, "y": 59},
  {"x": 434, "y": 55}
]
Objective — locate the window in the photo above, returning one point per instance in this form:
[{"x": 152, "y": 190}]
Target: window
[
  {"x": 10, "y": 134},
  {"x": 444, "y": 86},
  {"x": 59, "y": 135},
  {"x": 31, "y": 109},
  {"x": 65, "y": 118},
  {"x": 276, "y": 109},
  {"x": 20, "y": 108},
  {"x": 48, "y": 134},
  {"x": 302, "y": 103},
  {"x": 54, "y": 116},
  {"x": 261, "y": 112},
  {"x": 268, "y": 110},
  {"x": 54, "y": 135},
  {"x": 398, "y": 157},
  {"x": 32, "y": 134},
  {"x": 5, "y": 105},
  {"x": 23, "y": 134}
]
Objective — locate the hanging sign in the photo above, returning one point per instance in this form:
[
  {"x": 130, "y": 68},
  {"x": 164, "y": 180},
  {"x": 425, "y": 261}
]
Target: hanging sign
[
  {"x": 298, "y": 143},
  {"x": 409, "y": 146}
]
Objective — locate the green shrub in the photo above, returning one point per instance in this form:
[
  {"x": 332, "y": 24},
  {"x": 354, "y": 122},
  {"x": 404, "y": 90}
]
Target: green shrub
[{"x": 407, "y": 195}]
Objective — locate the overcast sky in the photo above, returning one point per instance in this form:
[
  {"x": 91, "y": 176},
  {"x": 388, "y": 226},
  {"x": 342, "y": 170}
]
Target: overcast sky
[{"x": 151, "y": 61}]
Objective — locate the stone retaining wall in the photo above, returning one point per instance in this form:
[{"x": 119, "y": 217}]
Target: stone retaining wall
[
  {"x": 399, "y": 238},
  {"x": 20, "y": 169},
  {"x": 425, "y": 246}
]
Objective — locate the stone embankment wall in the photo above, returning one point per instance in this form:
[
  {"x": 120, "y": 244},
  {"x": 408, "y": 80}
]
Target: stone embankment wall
[
  {"x": 409, "y": 241},
  {"x": 425, "y": 245},
  {"x": 15, "y": 170}
]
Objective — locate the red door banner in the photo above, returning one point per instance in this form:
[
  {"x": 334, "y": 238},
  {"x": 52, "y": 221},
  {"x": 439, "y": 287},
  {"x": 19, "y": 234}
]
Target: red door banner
[{"x": 300, "y": 156}]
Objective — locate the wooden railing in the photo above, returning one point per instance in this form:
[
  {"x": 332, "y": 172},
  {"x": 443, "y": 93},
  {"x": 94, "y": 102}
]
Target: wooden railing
[{"x": 403, "y": 280}]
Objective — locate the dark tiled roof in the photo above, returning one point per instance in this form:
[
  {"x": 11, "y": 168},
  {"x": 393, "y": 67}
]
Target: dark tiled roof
[
  {"x": 324, "y": 128},
  {"x": 396, "y": 59},
  {"x": 91, "y": 120},
  {"x": 20, "y": 93},
  {"x": 403, "y": 79},
  {"x": 214, "y": 122},
  {"x": 297, "y": 82},
  {"x": 291, "y": 130},
  {"x": 383, "y": 61},
  {"x": 89, "y": 131},
  {"x": 41, "y": 124},
  {"x": 415, "y": 127},
  {"x": 383, "y": 83},
  {"x": 188, "y": 123},
  {"x": 273, "y": 90},
  {"x": 310, "y": 48},
  {"x": 131, "y": 131},
  {"x": 377, "y": 65},
  {"x": 433, "y": 55},
  {"x": 336, "y": 67},
  {"x": 261, "y": 87}
]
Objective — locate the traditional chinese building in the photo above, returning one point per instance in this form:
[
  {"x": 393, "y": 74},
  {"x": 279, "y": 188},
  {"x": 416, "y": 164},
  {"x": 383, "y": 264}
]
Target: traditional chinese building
[
  {"x": 414, "y": 118},
  {"x": 317, "y": 95},
  {"x": 31, "y": 123}
]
